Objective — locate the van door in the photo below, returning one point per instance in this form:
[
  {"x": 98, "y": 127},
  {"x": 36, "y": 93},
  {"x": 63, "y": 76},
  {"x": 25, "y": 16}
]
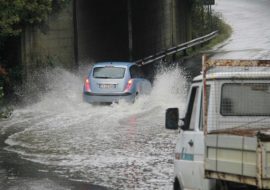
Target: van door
[{"x": 190, "y": 145}]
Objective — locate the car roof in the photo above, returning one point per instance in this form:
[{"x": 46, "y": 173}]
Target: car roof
[
  {"x": 237, "y": 73},
  {"x": 121, "y": 64}
]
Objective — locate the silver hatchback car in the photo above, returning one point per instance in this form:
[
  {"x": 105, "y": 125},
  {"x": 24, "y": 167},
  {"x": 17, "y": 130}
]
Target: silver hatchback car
[{"x": 109, "y": 82}]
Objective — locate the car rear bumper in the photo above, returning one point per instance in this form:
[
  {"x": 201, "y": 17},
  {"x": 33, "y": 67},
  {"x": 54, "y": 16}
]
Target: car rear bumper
[{"x": 107, "y": 98}]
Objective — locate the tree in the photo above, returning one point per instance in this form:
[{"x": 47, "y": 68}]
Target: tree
[{"x": 15, "y": 14}]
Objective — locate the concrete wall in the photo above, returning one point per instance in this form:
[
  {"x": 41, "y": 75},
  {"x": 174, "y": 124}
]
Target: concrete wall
[
  {"x": 152, "y": 29},
  {"x": 98, "y": 31},
  {"x": 52, "y": 43},
  {"x": 159, "y": 24},
  {"x": 182, "y": 23}
]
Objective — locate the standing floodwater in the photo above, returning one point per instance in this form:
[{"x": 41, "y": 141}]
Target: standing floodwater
[
  {"x": 250, "y": 23},
  {"x": 122, "y": 146}
]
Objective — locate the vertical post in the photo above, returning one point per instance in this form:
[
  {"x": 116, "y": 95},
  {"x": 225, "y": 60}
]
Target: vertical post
[
  {"x": 26, "y": 52},
  {"x": 172, "y": 22},
  {"x": 259, "y": 166},
  {"x": 76, "y": 53},
  {"x": 211, "y": 18},
  {"x": 205, "y": 114},
  {"x": 204, "y": 70},
  {"x": 188, "y": 21},
  {"x": 130, "y": 37}
]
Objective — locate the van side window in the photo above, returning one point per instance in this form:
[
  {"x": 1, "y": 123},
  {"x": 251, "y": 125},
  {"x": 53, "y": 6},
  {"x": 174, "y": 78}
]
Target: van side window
[
  {"x": 136, "y": 72},
  {"x": 245, "y": 99},
  {"x": 190, "y": 118}
]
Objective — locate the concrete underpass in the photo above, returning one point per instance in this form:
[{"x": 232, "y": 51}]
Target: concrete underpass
[
  {"x": 100, "y": 30},
  {"x": 107, "y": 30}
]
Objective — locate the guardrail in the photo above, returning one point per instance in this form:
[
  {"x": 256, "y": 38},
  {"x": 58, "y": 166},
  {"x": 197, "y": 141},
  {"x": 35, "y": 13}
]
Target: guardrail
[{"x": 175, "y": 49}]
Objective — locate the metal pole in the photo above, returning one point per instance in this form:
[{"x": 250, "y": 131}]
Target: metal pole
[
  {"x": 211, "y": 18},
  {"x": 76, "y": 47},
  {"x": 205, "y": 110},
  {"x": 130, "y": 36},
  {"x": 172, "y": 22}
]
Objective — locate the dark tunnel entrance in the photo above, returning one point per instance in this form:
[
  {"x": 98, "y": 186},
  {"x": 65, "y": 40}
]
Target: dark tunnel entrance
[
  {"x": 102, "y": 30},
  {"x": 106, "y": 28}
]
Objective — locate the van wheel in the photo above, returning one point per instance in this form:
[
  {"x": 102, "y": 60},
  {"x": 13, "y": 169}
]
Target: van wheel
[
  {"x": 222, "y": 185},
  {"x": 176, "y": 185}
]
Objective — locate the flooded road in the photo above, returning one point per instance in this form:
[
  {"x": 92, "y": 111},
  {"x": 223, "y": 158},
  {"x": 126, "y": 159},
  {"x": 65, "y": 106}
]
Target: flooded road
[
  {"x": 122, "y": 146},
  {"x": 250, "y": 23},
  {"x": 60, "y": 142}
]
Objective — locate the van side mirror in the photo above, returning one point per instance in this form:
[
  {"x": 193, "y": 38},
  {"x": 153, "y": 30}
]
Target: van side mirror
[
  {"x": 172, "y": 118},
  {"x": 183, "y": 124}
]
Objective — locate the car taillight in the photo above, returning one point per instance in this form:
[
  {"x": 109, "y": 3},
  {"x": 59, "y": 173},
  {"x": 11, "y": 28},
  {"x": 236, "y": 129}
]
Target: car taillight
[
  {"x": 129, "y": 85},
  {"x": 87, "y": 85}
]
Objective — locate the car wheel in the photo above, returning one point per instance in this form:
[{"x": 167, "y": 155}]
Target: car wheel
[{"x": 136, "y": 97}]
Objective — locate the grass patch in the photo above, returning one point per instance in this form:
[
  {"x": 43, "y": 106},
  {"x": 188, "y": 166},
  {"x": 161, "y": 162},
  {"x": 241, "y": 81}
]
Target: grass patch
[{"x": 224, "y": 32}]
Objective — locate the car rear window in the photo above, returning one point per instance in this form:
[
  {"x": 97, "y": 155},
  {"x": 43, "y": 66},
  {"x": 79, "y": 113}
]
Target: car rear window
[
  {"x": 109, "y": 72},
  {"x": 245, "y": 99}
]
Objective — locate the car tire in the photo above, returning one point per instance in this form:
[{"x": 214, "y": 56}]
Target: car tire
[{"x": 136, "y": 97}]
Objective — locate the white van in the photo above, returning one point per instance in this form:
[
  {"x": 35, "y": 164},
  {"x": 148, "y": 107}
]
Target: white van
[{"x": 218, "y": 146}]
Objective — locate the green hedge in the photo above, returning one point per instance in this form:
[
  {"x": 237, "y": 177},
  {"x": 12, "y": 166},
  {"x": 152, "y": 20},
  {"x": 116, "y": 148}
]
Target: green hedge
[
  {"x": 5, "y": 112},
  {"x": 1, "y": 101},
  {"x": 15, "y": 14},
  {"x": 1, "y": 93}
]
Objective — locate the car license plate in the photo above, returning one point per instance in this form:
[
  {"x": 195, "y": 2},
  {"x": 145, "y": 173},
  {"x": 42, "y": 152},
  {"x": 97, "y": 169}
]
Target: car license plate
[{"x": 107, "y": 86}]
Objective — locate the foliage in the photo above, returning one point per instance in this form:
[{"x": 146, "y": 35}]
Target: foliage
[
  {"x": 4, "y": 112},
  {"x": 208, "y": 21},
  {"x": 1, "y": 93},
  {"x": 1, "y": 97},
  {"x": 2, "y": 75},
  {"x": 224, "y": 32},
  {"x": 203, "y": 19},
  {"x": 15, "y": 14}
]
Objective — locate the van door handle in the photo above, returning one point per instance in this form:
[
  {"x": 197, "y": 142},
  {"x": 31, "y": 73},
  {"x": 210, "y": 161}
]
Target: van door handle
[{"x": 190, "y": 142}]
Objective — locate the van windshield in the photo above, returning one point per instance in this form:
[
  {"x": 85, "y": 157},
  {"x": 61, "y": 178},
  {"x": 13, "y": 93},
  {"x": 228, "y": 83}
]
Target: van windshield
[
  {"x": 109, "y": 72},
  {"x": 245, "y": 99}
]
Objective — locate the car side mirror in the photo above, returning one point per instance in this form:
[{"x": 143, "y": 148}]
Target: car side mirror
[{"x": 172, "y": 118}]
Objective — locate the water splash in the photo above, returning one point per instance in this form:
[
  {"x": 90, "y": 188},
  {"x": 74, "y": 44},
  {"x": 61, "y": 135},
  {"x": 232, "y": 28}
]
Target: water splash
[{"x": 91, "y": 143}]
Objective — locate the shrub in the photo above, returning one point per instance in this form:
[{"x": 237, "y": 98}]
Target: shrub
[{"x": 15, "y": 14}]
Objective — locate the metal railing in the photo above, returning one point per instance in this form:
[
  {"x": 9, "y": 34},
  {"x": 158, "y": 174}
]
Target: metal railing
[{"x": 175, "y": 49}]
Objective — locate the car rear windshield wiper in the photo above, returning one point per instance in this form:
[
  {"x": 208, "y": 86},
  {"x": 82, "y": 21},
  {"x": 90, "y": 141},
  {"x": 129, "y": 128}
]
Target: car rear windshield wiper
[{"x": 103, "y": 77}]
